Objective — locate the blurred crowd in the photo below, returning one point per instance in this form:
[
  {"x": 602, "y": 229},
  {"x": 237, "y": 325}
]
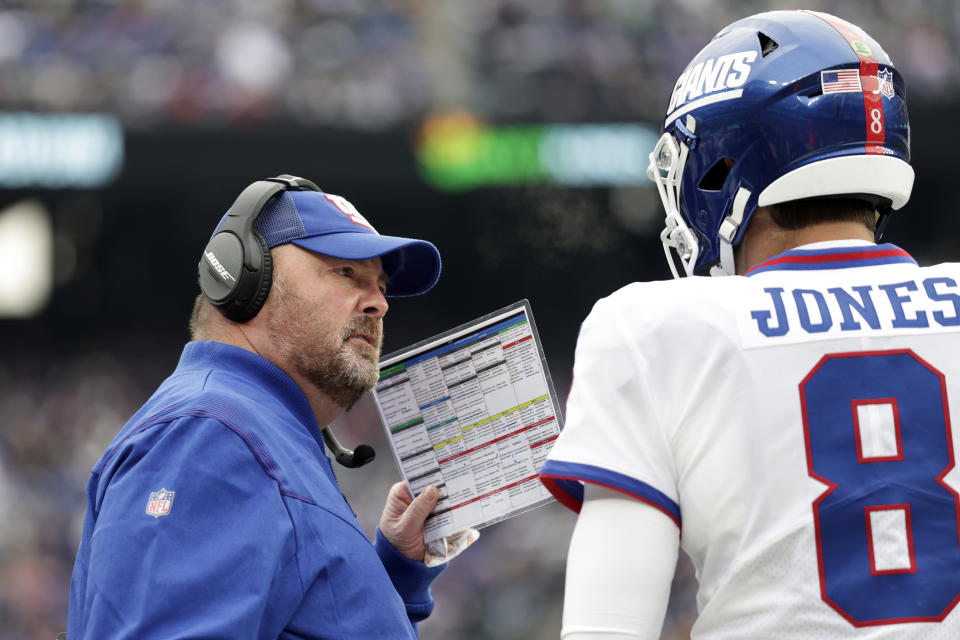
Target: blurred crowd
[
  {"x": 382, "y": 63},
  {"x": 58, "y": 412}
]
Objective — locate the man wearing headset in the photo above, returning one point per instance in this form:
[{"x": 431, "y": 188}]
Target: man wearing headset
[
  {"x": 215, "y": 512},
  {"x": 791, "y": 419}
]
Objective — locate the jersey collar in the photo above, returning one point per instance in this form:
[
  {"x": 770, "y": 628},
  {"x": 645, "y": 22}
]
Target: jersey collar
[{"x": 845, "y": 254}]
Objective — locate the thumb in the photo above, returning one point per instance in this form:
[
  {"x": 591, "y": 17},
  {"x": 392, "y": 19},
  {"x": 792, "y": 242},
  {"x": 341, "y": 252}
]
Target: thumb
[{"x": 421, "y": 506}]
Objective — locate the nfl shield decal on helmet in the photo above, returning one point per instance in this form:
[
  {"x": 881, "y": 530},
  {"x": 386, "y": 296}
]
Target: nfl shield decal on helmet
[
  {"x": 160, "y": 503},
  {"x": 885, "y": 79}
]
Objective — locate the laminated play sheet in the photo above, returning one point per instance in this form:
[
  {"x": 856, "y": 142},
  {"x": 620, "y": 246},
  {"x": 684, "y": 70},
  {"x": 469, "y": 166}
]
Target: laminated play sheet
[{"x": 473, "y": 411}]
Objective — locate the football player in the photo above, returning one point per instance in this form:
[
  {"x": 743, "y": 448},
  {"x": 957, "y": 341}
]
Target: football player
[{"x": 789, "y": 425}]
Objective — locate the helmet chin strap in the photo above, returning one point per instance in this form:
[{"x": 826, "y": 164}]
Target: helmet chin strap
[
  {"x": 728, "y": 232},
  {"x": 677, "y": 236}
]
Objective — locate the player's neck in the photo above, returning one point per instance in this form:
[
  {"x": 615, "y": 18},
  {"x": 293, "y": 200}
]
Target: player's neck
[{"x": 764, "y": 239}]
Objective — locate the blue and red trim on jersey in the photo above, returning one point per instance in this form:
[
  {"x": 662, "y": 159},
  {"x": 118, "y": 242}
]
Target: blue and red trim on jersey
[
  {"x": 833, "y": 258},
  {"x": 564, "y": 479}
]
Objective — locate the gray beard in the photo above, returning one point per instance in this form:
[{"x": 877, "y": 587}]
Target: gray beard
[
  {"x": 342, "y": 375},
  {"x": 334, "y": 367}
]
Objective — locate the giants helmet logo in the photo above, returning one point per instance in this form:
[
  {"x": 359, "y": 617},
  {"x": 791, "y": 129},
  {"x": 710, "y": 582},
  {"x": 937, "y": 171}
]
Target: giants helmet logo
[{"x": 725, "y": 72}]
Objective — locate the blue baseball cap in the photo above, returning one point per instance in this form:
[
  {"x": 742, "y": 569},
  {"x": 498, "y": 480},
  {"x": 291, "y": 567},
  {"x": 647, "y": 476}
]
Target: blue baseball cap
[{"x": 328, "y": 224}]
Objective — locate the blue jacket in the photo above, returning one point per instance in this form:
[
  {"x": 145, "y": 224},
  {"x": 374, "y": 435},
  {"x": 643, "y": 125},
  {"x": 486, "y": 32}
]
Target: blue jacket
[{"x": 214, "y": 513}]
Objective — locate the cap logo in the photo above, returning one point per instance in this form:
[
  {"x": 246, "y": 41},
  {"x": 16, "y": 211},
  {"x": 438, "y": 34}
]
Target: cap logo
[
  {"x": 160, "y": 503},
  {"x": 347, "y": 209}
]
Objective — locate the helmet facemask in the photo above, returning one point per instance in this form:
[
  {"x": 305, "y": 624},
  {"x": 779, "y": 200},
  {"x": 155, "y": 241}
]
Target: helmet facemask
[
  {"x": 666, "y": 170},
  {"x": 680, "y": 242}
]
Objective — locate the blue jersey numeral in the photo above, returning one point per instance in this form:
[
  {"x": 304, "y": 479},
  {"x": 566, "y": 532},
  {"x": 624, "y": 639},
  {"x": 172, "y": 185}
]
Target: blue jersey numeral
[{"x": 877, "y": 432}]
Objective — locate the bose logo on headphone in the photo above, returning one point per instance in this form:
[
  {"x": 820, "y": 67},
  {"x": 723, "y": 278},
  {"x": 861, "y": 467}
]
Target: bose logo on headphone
[{"x": 220, "y": 269}]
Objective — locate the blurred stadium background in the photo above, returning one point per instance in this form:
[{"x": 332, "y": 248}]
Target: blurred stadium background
[{"x": 513, "y": 134}]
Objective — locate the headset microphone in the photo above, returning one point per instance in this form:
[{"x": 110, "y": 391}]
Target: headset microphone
[{"x": 358, "y": 457}]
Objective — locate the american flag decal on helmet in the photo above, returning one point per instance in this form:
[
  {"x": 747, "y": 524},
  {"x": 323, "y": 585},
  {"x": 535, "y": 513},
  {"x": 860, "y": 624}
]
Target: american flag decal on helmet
[
  {"x": 160, "y": 503},
  {"x": 840, "y": 80}
]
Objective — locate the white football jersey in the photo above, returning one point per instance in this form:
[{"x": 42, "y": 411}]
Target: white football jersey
[{"x": 795, "y": 424}]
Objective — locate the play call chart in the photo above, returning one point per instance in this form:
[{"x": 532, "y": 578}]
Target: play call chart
[{"x": 474, "y": 412}]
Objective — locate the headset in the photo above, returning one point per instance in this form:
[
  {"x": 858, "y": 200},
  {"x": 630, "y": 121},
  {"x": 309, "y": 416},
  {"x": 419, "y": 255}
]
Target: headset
[
  {"x": 239, "y": 269},
  {"x": 236, "y": 272}
]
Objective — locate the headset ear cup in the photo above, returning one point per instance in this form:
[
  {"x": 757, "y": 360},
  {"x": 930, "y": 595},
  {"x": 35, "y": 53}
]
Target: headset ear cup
[{"x": 266, "y": 278}]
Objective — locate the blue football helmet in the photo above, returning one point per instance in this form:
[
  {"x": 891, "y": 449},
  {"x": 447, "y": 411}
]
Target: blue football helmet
[{"x": 779, "y": 106}]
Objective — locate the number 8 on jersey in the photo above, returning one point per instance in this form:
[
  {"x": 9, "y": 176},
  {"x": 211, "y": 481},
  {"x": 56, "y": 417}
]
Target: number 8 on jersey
[{"x": 877, "y": 432}]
